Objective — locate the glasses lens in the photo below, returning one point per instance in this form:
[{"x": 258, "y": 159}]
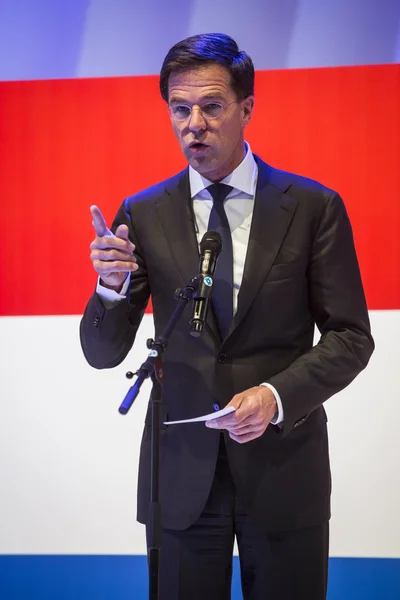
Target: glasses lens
[
  {"x": 179, "y": 112},
  {"x": 211, "y": 110}
]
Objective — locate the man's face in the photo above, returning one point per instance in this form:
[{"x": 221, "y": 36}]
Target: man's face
[{"x": 213, "y": 147}]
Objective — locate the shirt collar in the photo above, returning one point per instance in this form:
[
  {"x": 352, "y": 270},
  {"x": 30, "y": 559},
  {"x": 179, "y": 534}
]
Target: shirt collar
[{"x": 242, "y": 179}]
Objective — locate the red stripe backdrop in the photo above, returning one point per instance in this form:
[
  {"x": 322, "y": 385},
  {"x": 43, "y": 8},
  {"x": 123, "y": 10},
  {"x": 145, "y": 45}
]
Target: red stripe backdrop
[{"x": 67, "y": 144}]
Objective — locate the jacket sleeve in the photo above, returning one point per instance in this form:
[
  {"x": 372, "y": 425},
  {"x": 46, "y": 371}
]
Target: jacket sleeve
[
  {"x": 340, "y": 312},
  {"x": 107, "y": 335}
]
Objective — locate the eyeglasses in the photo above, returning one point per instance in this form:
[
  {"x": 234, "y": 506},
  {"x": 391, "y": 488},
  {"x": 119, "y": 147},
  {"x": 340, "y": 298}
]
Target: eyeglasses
[{"x": 209, "y": 110}]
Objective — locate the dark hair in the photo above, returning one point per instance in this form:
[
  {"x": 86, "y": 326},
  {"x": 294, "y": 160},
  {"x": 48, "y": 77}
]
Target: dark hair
[{"x": 210, "y": 48}]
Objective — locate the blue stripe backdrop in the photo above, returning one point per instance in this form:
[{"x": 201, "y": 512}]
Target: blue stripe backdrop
[{"x": 42, "y": 577}]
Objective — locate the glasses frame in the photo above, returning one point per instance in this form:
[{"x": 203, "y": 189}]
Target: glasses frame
[{"x": 205, "y": 117}]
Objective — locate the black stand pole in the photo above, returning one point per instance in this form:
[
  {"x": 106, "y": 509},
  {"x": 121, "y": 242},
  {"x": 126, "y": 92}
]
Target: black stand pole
[
  {"x": 154, "y": 535},
  {"x": 152, "y": 367}
]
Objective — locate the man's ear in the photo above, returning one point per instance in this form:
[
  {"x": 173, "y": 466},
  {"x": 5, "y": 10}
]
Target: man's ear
[{"x": 247, "y": 109}]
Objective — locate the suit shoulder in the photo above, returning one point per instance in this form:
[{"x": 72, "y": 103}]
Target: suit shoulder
[
  {"x": 154, "y": 192},
  {"x": 298, "y": 185},
  {"x": 312, "y": 197}
]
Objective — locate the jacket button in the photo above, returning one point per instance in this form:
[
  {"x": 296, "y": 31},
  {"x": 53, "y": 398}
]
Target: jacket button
[
  {"x": 96, "y": 320},
  {"x": 221, "y": 358}
]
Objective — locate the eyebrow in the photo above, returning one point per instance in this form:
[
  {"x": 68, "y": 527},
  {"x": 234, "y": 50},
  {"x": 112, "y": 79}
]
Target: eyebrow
[{"x": 209, "y": 96}]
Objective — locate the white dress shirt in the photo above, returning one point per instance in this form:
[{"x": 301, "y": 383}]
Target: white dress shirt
[{"x": 239, "y": 211}]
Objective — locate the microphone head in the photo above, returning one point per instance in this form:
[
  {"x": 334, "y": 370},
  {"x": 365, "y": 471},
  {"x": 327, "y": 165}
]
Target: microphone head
[{"x": 212, "y": 242}]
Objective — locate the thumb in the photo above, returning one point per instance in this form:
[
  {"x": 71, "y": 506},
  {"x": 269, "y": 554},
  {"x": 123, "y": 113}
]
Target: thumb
[
  {"x": 98, "y": 222},
  {"x": 236, "y": 401},
  {"x": 239, "y": 402},
  {"x": 122, "y": 232}
]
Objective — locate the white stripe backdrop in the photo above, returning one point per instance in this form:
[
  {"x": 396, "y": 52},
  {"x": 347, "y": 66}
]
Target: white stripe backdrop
[{"x": 68, "y": 459}]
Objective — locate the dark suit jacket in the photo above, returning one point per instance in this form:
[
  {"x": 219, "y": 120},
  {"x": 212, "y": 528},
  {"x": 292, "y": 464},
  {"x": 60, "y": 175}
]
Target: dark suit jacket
[{"x": 301, "y": 269}]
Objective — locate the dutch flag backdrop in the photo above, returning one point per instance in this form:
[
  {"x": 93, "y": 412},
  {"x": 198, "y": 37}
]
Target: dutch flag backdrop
[{"x": 81, "y": 123}]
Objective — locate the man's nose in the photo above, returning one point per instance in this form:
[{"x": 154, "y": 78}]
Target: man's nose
[{"x": 196, "y": 119}]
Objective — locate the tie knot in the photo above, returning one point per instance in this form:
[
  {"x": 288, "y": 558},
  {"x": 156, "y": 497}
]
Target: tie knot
[{"x": 219, "y": 191}]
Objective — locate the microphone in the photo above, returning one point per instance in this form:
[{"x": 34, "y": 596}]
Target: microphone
[{"x": 210, "y": 249}]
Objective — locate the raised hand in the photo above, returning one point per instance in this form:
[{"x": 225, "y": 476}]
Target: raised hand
[{"x": 111, "y": 255}]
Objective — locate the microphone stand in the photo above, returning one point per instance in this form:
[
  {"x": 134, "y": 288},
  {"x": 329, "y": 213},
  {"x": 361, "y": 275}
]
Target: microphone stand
[{"x": 152, "y": 367}]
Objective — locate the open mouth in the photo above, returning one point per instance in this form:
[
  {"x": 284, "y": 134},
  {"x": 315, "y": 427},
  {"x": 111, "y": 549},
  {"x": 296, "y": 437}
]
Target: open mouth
[{"x": 197, "y": 146}]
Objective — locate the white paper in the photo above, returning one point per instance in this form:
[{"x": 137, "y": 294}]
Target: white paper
[{"x": 210, "y": 417}]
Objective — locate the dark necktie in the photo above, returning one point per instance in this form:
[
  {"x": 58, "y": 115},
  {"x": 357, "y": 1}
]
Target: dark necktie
[{"x": 222, "y": 295}]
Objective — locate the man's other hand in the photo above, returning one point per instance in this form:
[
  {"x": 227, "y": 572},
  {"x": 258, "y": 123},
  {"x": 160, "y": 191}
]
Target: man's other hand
[{"x": 255, "y": 408}]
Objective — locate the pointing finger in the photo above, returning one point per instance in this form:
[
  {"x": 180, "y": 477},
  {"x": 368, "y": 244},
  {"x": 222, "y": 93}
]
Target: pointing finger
[{"x": 98, "y": 222}]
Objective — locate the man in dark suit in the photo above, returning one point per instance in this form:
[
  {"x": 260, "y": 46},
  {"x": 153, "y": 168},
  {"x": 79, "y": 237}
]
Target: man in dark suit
[{"x": 288, "y": 263}]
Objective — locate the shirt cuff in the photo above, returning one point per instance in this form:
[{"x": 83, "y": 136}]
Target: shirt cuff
[
  {"x": 279, "y": 416},
  {"x": 111, "y": 297}
]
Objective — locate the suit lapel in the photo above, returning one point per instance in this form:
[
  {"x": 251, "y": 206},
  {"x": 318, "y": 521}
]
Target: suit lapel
[
  {"x": 272, "y": 215},
  {"x": 175, "y": 210},
  {"x": 178, "y": 223}
]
